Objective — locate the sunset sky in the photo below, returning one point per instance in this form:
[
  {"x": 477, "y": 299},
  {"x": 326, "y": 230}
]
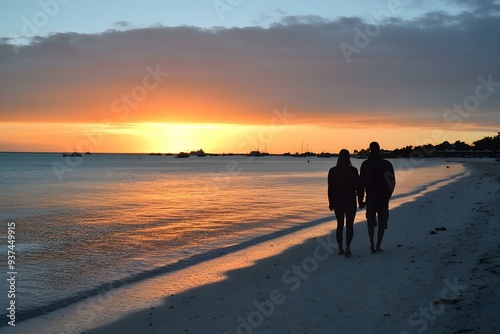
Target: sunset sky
[{"x": 235, "y": 76}]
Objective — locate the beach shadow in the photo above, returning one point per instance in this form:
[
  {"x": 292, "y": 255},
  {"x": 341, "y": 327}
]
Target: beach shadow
[{"x": 269, "y": 288}]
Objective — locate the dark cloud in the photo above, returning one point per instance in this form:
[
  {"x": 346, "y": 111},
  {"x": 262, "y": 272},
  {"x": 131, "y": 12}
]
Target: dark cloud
[
  {"x": 303, "y": 19},
  {"x": 480, "y": 6},
  {"x": 401, "y": 72},
  {"x": 266, "y": 19},
  {"x": 5, "y": 40},
  {"x": 122, "y": 24}
]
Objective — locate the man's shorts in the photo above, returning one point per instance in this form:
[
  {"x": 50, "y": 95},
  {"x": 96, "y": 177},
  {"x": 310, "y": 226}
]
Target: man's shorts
[{"x": 377, "y": 207}]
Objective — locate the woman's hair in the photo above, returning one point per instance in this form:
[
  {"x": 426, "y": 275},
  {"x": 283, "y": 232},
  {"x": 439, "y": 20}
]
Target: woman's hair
[{"x": 344, "y": 159}]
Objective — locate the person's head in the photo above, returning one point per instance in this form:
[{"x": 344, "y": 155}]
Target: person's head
[
  {"x": 374, "y": 148},
  {"x": 344, "y": 158}
]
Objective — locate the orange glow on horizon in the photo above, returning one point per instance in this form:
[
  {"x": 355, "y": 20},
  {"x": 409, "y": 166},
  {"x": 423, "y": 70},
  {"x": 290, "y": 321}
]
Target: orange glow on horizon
[{"x": 214, "y": 137}]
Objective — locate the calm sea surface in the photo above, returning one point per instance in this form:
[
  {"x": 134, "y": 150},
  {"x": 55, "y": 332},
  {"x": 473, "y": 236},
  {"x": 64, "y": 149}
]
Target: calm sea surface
[{"x": 84, "y": 224}]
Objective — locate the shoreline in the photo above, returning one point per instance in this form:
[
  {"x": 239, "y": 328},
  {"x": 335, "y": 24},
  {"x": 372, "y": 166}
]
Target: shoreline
[{"x": 259, "y": 269}]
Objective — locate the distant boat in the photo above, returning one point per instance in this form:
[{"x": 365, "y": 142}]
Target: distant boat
[
  {"x": 199, "y": 153},
  {"x": 74, "y": 154},
  {"x": 257, "y": 154},
  {"x": 88, "y": 153},
  {"x": 154, "y": 153},
  {"x": 183, "y": 155},
  {"x": 303, "y": 155}
]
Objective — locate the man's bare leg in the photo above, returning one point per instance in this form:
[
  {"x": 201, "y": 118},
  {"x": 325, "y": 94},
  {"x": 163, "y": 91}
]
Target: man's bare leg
[
  {"x": 371, "y": 232},
  {"x": 380, "y": 236}
]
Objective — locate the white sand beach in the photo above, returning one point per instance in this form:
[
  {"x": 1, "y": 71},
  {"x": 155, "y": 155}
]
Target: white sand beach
[{"x": 425, "y": 280}]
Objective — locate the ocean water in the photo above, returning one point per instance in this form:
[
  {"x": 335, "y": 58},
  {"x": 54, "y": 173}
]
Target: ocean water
[{"x": 84, "y": 225}]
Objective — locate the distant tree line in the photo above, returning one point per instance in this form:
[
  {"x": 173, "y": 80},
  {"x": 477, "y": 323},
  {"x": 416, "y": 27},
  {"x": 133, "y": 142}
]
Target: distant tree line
[{"x": 488, "y": 146}]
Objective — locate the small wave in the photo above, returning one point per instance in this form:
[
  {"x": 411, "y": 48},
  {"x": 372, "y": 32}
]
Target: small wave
[{"x": 426, "y": 187}]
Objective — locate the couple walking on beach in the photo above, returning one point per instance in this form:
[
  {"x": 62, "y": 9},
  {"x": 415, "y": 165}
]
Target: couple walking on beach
[{"x": 377, "y": 179}]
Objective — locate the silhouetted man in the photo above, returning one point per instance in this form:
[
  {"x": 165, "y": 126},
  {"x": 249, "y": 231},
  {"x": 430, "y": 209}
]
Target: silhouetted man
[{"x": 378, "y": 180}]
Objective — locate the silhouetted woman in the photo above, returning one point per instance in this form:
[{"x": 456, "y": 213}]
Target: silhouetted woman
[{"x": 343, "y": 186}]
